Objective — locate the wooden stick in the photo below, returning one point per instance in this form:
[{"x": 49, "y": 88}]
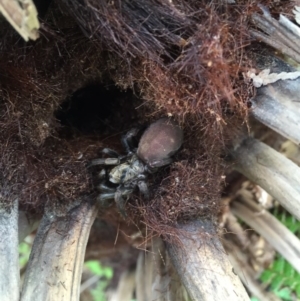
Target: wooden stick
[
  {"x": 9, "y": 255},
  {"x": 22, "y": 15},
  {"x": 277, "y": 44},
  {"x": 247, "y": 275},
  {"x": 125, "y": 289},
  {"x": 276, "y": 31},
  {"x": 156, "y": 278},
  {"x": 55, "y": 264},
  {"x": 280, "y": 237},
  {"x": 203, "y": 266},
  {"x": 277, "y": 34},
  {"x": 272, "y": 171},
  {"x": 278, "y": 107}
]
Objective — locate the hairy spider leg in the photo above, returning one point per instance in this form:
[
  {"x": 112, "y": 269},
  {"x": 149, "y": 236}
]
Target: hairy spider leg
[
  {"x": 110, "y": 152},
  {"x": 102, "y": 174},
  {"x": 159, "y": 163},
  {"x": 120, "y": 201},
  {"x": 104, "y": 199},
  {"x": 105, "y": 188},
  {"x": 105, "y": 161},
  {"x": 127, "y": 140},
  {"x": 143, "y": 187},
  {"x": 108, "y": 192}
]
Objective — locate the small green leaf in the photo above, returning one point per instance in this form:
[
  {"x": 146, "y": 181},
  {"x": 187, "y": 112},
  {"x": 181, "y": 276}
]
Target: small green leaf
[
  {"x": 276, "y": 282},
  {"x": 24, "y": 253},
  {"x": 278, "y": 265},
  {"x": 297, "y": 290},
  {"x": 266, "y": 276},
  {"x": 99, "y": 292},
  {"x": 284, "y": 294},
  {"x": 96, "y": 268},
  {"x": 283, "y": 279}
]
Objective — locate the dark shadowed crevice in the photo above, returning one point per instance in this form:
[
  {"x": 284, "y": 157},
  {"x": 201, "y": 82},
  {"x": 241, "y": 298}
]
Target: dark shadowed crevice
[
  {"x": 42, "y": 7},
  {"x": 96, "y": 109}
]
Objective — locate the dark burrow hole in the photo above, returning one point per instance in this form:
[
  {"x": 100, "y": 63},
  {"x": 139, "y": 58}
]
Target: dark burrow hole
[{"x": 97, "y": 110}]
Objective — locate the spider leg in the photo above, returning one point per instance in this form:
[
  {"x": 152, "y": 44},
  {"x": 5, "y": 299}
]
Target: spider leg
[
  {"x": 141, "y": 177},
  {"x": 127, "y": 140},
  {"x": 114, "y": 160},
  {"x": 110, "y": 152},
  {"x": 104, "y": 161},
  {"x": 120, "y": 201},
  {"x": 143, "y": 187},
  {"x": 102, "y": 174},
  {"x": 159, "y": 163},
  {"x": 103, "y": 187},
  {"x": 103, "y": 199}
]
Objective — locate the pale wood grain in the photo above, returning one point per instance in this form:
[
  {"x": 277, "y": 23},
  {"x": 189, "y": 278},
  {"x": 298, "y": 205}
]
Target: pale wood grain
[
  {"x": 264, "y": 223},
  {"x": 9, "y": 255},
  {"x": 203, "y": 265},
  {"x": 55, "y": 265},
  {"x": 272, "y": 171},
  {"x": 278, "y": 107}
]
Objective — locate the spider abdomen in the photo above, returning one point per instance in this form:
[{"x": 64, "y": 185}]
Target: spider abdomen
[{"x": 160, "y": 141}]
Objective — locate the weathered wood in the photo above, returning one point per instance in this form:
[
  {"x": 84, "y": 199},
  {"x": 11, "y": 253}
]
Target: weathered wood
[
  {"x": 272, "y": 171},
  {"x": 247, "y": 275},
  {"x": 55, "y": 264},
  {"x": 125, "y": 289},
  {"x": 278, "y": 107},
  {"x": 277, "y": 34},
  {"x": 156, "y": 278},
  {"x": 203, "y": 265},
  {"x": 9, "y": 255},
  {"x": 264, "y": 223},
  {"x": 22, "y": 15},
  {"x": 144, "y": 273}
]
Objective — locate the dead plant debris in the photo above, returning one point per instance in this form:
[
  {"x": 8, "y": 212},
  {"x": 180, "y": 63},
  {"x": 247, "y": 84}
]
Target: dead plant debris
[{"x": 180, "y": 58}]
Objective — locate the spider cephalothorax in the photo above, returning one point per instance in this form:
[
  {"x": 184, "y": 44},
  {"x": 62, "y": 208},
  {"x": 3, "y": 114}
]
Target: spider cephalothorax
[{"x": 156, "y": 146}]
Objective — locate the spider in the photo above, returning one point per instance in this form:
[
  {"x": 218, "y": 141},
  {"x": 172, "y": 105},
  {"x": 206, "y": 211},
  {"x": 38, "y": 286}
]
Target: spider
[{"x": 159, "y": 142}]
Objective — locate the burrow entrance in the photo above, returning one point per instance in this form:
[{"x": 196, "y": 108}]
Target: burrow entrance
[{"x": 98, "y": 110}]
